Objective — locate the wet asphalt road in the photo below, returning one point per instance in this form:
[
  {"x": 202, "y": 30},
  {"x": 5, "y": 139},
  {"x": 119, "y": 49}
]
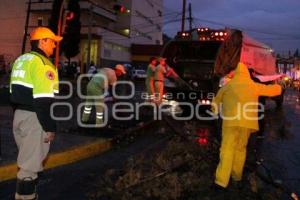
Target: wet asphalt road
[
  {"x": 73, "y": 181},
  {"x": 280, "y": 150}
]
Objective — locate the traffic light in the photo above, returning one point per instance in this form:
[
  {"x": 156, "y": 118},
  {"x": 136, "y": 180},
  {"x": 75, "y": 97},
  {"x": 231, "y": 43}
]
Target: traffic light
[
  {"x": 120, "y": 9},
  {"x": 70, "y": 43},
  {"x": 70, "y": 15}
]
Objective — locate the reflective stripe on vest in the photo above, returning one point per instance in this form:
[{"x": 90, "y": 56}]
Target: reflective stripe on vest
[{"x": 33, "y": 70}]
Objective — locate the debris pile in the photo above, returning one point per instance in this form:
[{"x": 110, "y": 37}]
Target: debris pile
[{"x": 181, "y": 169}]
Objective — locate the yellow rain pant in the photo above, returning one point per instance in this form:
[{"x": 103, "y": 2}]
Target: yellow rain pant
[
  {"x": 232, "y": 154},
  {"x": 238, "y": 100}
]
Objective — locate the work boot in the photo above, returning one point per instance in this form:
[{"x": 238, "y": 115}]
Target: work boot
[
  {"x": 217, "y": 193},
  {"x": 237, "y": 185},
  {"x": 26, "y": 189}
]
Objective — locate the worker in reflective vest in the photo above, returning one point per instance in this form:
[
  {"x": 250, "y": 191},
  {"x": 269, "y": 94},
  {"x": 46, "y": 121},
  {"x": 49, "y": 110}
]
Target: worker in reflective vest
[
  {"x": 96, "y": 89},
  {"x": 33, "y": 84}
]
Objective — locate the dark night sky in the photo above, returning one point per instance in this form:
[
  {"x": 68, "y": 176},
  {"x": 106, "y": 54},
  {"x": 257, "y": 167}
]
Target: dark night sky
[{"x": 274, "y": 22}]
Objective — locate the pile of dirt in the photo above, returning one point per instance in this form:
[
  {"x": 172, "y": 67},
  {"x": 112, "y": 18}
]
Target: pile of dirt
[{"x": 183, "y": 169}]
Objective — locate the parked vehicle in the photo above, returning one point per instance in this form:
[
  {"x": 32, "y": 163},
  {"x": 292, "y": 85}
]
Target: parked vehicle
[{"x": 138, "y": 74}]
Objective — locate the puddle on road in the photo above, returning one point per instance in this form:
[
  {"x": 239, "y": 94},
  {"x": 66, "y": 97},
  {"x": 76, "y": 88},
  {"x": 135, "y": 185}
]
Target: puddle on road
[
  {"x": 277, "y": 126},
  {"x": 281, "y": 147}
]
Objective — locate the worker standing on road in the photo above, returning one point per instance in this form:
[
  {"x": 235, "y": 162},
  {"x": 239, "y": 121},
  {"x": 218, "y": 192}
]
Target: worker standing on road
[
  {"x": 95, "y": 91},
  {"x": 239, "y": 102},
  {"x": 162, "y": 70},
  {"x": 34, "y": 81},
  {"x": 150, "y": 77}
]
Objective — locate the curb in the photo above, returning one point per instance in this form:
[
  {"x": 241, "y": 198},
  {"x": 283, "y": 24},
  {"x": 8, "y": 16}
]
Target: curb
[{"x": 71, "y": 155}]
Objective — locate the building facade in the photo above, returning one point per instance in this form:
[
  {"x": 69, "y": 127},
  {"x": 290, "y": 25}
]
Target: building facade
[
  {"x": 108, "y": 33},
  {"x": 289, "y": 66}
]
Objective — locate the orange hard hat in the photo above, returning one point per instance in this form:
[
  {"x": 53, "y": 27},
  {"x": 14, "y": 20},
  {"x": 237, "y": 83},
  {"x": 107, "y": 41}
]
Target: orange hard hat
[
  {"x": 44, "y": 33},
  {"x": 121, "y": 68}
]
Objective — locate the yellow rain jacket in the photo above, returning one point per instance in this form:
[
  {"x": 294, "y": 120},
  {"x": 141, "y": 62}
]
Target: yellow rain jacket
[{"x": 238, "y": 100}]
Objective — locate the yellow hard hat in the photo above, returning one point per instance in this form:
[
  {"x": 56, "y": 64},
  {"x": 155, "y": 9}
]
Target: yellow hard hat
[{"x": 43, "y": 33}]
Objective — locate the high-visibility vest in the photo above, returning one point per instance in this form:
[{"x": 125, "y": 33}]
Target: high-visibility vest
[{"x": 34, "y": 72}]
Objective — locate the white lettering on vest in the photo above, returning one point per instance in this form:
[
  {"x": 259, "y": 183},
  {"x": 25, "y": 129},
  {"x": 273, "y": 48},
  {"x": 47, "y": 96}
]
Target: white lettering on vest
[{"x": 19, "y": 73}]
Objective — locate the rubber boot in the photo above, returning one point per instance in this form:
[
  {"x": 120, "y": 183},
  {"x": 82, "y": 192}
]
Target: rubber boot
[{"x": 26, "y": 189}]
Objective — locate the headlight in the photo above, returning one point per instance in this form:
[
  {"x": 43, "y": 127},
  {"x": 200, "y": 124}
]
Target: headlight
[{"x": 204, "y": 102}]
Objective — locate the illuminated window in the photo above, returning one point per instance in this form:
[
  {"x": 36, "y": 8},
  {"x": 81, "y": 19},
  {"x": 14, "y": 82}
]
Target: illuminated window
[
  {"x": 115, "y": 47},
  {"x": 40, "y": 21}
]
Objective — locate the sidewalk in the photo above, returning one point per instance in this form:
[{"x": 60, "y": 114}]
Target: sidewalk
[{"x": 66, "y": 148}]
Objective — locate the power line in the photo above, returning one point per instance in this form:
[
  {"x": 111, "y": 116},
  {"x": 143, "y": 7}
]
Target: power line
[
  {"x": 157, "y": 16},
  {"x": 152, "y": 31},
  {"x": 143, "y": 25},
  {"x": 168, "y": 22},
  {"x": 147, "y": 23},
  {"x": 139, "y": 26},
  {"x": 166, "y": 8}
]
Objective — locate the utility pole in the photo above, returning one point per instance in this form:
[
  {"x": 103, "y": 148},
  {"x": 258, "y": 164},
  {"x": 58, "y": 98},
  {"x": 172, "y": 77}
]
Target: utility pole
[
  {"x": 26, "y": 26},
  {"x": 190, "y": 16},
  {"x": 88, "y": 60},
  {"x": 183, "y": 15}
]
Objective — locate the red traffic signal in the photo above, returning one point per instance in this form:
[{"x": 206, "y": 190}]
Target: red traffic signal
[
  {"x": 120, "y": 8},
  {"x": 69, "y": 16}
]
